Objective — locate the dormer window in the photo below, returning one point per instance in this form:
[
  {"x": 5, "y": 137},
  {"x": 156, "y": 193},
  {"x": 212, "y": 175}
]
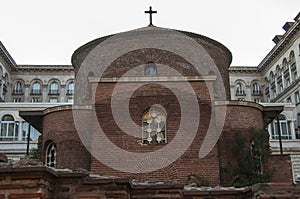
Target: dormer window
[{"x": 150, "y": 69}]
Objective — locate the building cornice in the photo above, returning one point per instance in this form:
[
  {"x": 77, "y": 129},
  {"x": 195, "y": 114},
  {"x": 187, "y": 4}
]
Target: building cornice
[
  {"x": 153, "y": 79},
  {"x": 44, "y": 67},
  {"x": 243, "y": 69},
  {"x": 277, "y": 49},
  {"x": 7, "y": 57}
]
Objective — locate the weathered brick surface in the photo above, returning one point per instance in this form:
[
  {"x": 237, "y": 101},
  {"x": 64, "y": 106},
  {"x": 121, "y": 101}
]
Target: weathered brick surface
[
  {"x": 242, "y": 120},
  {"x": 59, "y": 128},
  {"x": 219, "y": 54},
  {"x": 281, "y": 168},
  {"x": 50, "y": 184}
]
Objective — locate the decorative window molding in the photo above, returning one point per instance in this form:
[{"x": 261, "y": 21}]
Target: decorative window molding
[
  {"x": 54, "y": 88},
  {"x": 36, "y": 88}
]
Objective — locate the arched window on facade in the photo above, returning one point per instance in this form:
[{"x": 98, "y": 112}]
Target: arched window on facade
[
  {"x": 256, "y": 89},
  {"x": 154, "y": 127},
  {"x": 286, "y": 73},
  {"x": 284, "y": 126},
  {"x": 293, "y": 66},
  {"x": 239, "y": 89},
  {"x": 150, "y": 69},
  {"x": 51, "y": 155},
  {"x": 54, "y": 88},
  {"x": 18, "y": 88},
  {"x": 279, "y": 79},
  {"x": 9, "y": 128},
  {"x": 70, "y": 88},
  {"x": 36, "y": 88}
]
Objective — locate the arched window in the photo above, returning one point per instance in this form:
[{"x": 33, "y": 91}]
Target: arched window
[
  {"x": 292, "y": 58},
  {"x": 9, "y": 128},
  {"x": 239, "y": 89},
  {"x": 18, "y": 88},
  {"x": 51, "y": 155},
  {"x": 54, "y": 88},
  {"x": 1, "y": 70},
  {"x": 154, "y": 127},
  {"x": 293, "y": 66},
  {"x": 70, "y": 90},
  {"x": 285, "y": 128},
  {"x": 150, "y": 69},
  {"x": 256, "y": 89},
  {"x": 36, "y": 88}
]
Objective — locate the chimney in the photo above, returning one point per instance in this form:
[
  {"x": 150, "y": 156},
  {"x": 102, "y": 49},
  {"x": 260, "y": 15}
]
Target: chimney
[
  {"x": 287, "y": 25},
  {"x": 277, "y": 38}
]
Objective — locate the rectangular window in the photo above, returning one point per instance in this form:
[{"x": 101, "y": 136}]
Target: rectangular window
[
  {"x": 289, "y": 100},
  {"x": 35, "y": 99},
  {"x": 70, "y": 100},
  {"x": 53, "y": 100}
]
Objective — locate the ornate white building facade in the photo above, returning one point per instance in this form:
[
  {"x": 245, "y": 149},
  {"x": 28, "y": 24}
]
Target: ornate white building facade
[
  {"x": 276, "y": 80},
  {"x": 28, "y": 87}
]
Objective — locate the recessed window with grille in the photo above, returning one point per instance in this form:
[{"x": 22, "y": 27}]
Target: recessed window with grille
[
  {"x": 51, "y": 155},
  {"x": 154, "y": 127}
]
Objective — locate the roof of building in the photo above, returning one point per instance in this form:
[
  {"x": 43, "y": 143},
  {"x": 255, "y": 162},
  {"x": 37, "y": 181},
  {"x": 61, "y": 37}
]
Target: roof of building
[
  {"x": 90, "y": 45},
  {"x": 281, "y": 41},
  {"x": 6, "y": 56}
]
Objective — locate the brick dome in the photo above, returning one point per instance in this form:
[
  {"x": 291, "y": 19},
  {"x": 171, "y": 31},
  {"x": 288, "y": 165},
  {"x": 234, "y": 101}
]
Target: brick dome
[{"x": 219, "y": 54}]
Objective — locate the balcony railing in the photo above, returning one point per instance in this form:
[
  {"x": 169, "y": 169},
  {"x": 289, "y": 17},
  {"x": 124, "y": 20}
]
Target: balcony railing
[
  {"x": 70, "y": 92},
  {"x": 36, "y": 91},
  {"x": 18, "y": 92},
  {"x": 240, "y": 93},
  {"x": 256, "y": 92},
  {"x": 54, "y": 92}
]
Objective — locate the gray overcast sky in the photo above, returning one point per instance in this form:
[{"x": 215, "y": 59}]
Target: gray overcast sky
[{"x": 48, "y": 32}]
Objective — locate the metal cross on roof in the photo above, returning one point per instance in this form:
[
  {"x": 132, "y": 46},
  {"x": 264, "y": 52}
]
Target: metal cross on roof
[{"x": 150, "y": 12}]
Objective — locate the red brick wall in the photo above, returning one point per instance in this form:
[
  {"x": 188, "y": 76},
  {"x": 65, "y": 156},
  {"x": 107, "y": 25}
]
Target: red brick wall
[
  {"x": 239, "y": 119},
  {"x": 281, "y": 168},
  {"x": 141, "y": 100},
  {"x": 59, "y": 128}
]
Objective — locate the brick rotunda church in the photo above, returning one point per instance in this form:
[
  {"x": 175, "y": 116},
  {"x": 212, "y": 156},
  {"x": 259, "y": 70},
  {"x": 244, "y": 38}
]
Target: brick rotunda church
[{"x": 151, "y": 104}]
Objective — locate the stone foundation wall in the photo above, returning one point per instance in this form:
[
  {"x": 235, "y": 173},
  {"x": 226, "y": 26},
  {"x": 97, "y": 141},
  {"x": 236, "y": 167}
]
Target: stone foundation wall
[{"x": 44, "y": 183}]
